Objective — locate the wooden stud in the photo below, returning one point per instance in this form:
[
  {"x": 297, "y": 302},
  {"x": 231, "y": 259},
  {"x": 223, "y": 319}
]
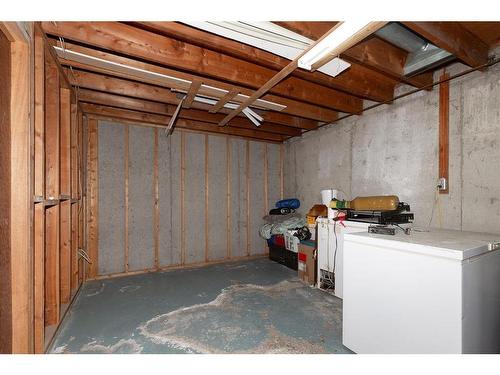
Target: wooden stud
[
  {"x": 126, "y": 166},
  {"x": 39, "y": 276},
  {"x": 39, "y": 161},
  {"x": 52, "y": 277},
  {"x": 5, "y": 210},
  {"x": 74, "y": 247},
  {"x": 65, "y": 142},
  {"x": 21, "y": 127},
  {"x": 444, "y": 131},
  {"x": 156, "y": 229},
  {"x": 228, "y": 213},
  {"x": 183, "y": 215},
  {"x": 65, "y": 251},
  {"x": 206, "y": 200},
  {"x": 247, "y": 169},
  {"x": 74, "y": 148},
  {"x": 92, "y": 198},
  {"x": 52, "y": 129}
]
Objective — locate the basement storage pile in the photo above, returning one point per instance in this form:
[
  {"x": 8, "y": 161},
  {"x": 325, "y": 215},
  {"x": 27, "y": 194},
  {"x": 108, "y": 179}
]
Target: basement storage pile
[{"x": 291, "y": 238}]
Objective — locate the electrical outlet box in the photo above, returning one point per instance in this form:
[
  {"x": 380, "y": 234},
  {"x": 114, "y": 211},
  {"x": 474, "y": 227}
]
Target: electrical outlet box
[{"x": 442, "y": 184}]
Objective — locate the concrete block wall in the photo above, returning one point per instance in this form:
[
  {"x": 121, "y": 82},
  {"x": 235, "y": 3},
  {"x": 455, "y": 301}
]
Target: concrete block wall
[
  {"x": 393, "y": 149},
  {"x": 223, "y": 186}
]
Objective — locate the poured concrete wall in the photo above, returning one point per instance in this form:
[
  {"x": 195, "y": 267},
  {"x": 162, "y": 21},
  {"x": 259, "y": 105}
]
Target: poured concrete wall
[
  {"x": 393, "y": 149},
  {"x": 224, "y": 200}
]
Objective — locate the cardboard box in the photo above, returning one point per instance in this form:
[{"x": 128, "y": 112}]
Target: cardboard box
[{"x": 307, "y": 262}]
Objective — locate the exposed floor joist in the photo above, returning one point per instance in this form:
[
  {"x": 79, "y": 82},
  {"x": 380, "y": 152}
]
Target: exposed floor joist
[
  {"x": 373, "y": 53},
  {"x": 293, "y": 107},
  {"x": 357, "y": 80},
  {"x": 111, "y": 100},
  {"x": 454, "y": 38},
  {"x": 103, "y": 112},
  {"x": 121, "y": 38}
]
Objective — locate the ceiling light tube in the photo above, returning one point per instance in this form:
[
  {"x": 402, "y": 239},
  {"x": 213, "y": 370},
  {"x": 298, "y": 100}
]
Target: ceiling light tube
[
  {"x": 250, "y": 117},
  {"x": 344, "y": 36}
]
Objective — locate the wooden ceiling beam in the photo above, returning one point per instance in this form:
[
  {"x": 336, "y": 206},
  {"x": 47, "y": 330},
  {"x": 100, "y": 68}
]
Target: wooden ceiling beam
[
  {"x": 193, "y": 90},
  {"x": 278, "y": 77},
  {"x": 383, "y": 56},
  {"x": 357, "y": 80},
  {"x": 373, "y": 53},
  {"x": 131, "y": 41},
  {"x": 141, "y": 105},
  {"x": 222, "y": 101},
  {"x": 454, "y": 38},
  {"x": 293, "y": 107},
  {"x": 135, "y": 116}
]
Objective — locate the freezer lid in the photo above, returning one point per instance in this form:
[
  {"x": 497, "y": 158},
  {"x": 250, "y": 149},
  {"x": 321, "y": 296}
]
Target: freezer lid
[{"x": 451, "y": 244}]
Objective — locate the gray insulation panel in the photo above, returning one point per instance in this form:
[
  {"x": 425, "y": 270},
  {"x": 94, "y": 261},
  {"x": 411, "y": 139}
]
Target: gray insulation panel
[
  {"x": 238, "y": 199},
  {"x": 273, "y": 174},
  {"x": 217, "y": 197},
  {"x": 141, "y": 198},
  {"x": 111, "y": 169},
  {"x": 194, "y": 198},
  {"x": 257, "y": 196},
  {"x": 166, "y": 215},
  {"x": 175, "y": 161}
]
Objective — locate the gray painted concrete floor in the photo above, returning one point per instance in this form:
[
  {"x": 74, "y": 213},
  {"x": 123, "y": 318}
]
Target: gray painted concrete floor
[{"x": 254, "y": 306}]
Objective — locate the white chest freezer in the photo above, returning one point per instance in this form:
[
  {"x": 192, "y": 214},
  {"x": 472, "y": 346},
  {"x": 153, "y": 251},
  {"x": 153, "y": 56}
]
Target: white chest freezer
[
  {"x": 330, "y": 249},
  {"x": 428, "y": 292}
]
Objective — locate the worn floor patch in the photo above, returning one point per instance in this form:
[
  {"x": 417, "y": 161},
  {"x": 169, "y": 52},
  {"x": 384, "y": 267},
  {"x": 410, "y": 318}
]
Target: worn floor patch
[
  {"x": 249, "y": 318},
  {"x": 253, "y": 306}
]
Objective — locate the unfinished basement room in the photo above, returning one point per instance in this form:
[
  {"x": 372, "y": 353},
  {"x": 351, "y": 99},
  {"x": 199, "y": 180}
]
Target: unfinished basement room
[{"x": 250, "y": 187}]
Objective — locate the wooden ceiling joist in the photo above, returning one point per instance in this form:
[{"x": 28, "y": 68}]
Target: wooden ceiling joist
[
  {"x": 454, "y": 38},
  {"x": 162, "y": 121},
  {"x": 126, "y": 39},
  {"x": 357, "y": 80},
  {"x": 373, "y": 53},
  {"x": 99, "y": 82},
  {"x": 368, "y": 29},
  {"x": 140, "y": 105},
  {"x": 292, "y": 107}
]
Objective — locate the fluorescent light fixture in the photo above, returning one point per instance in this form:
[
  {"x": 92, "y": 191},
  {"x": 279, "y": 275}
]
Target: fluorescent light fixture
[
  {"x": 269, "y": 37},
  {"x": 252, "y": 116},
  {"x": 344, "y": 36},
  {"x": 157, "y": 78}
]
